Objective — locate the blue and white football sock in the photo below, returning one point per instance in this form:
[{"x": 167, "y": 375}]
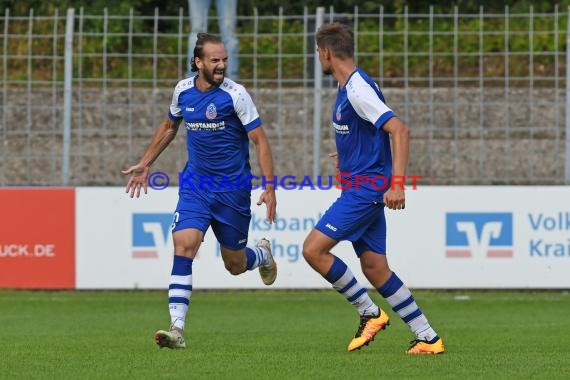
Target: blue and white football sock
[
  {"x": 180, "y": 290},
  {"x": 403, "y": 303},
  {"x": 255, "y": 256},
  {"x": 344, "y": 282}
]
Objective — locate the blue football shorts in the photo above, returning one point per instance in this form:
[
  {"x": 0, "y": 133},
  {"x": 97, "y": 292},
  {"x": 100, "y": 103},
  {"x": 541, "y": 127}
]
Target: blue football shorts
[
  {"x": 357, "y": 220},
  {"x": 228, "y": 213}
]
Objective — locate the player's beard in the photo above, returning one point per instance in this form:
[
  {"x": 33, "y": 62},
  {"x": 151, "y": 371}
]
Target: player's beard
[{"x": 211, "y": 79}]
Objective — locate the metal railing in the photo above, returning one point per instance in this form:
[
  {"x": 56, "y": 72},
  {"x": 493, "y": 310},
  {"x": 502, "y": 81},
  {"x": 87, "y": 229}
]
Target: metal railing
[{"x": 485, "y": 94}]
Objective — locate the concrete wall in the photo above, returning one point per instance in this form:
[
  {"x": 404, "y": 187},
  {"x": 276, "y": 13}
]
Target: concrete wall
[{"x": 459, "y": 136}]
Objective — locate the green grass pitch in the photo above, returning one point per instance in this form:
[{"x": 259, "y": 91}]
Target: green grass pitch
[{"x": 279, "y": 335}]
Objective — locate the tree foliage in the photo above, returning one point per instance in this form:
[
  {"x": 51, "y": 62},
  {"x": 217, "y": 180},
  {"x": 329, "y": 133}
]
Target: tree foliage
[
  {"x": 390, "y": 63},
  {"x": 270, "y": 7}
]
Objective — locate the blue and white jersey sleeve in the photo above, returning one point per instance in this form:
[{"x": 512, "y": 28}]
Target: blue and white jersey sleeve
[
  {"x": 245, "y": 109},
  {"x": 175, "y": 112},
  {"x": 367, "y": 103}
]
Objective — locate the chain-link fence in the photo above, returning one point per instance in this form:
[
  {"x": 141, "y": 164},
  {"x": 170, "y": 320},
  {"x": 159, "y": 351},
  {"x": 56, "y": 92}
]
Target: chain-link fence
[{"x": 484, "y": 95}]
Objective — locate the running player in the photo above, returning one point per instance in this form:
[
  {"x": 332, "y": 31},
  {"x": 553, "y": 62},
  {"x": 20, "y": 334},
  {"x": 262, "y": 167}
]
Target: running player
[
  {"x": 215, "y": 186},
  {"x": 364, "y": 124}
]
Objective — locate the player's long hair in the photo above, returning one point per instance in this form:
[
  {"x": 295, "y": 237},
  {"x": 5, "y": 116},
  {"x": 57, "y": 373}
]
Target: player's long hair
[
  {"x": 203, "y": 39},
  {"x": 337, "y": 37}
]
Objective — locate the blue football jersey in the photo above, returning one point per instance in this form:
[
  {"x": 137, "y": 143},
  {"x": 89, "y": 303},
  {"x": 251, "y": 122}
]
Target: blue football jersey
[
  {"x": 217, "y": 122},
  {"x": 363, "y": 146}
]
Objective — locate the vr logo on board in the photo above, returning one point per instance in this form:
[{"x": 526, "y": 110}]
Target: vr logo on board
[
  {"x": 151, "y": 235},
  {"x": 479, "y": 234}
]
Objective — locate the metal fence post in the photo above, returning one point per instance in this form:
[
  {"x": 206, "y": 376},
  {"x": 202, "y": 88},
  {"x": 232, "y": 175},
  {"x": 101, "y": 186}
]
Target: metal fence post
[
  {"x": 431, "y": 94},
  {"x": 54, "y": 98},
  {"x": 507, "y": 93},
  {"x": 318, "y": 86},
  {"x": 29, "y": 85},
  {"x": 482, "y": 145},
  {"x": 557, "y": 85},
  {"x": 279, "y": 149},
  {"x": 306, "y": 55},
  {"x": 567, "y": 175},
  {"x": 4, "y": 95},
  {"x": 67, "y": 93},
  {"x": 255, "y": 55},
  {"x": 531, "y": 84}
]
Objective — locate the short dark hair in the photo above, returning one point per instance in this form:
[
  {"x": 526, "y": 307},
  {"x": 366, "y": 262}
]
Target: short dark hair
[
  {"x": 201, "y": 40},
  {"x": 337, "y": 37}
]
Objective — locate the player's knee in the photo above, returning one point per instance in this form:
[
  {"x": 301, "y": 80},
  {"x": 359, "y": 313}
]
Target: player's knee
[
  {"x": 376, "y": 267},
  {"x": 309, "y": 252},
  {"x": 234, "y": 267},
  {"x": 186, "y": 248},
  {"x": 188, "y": 251},
  {"x": 379, "y": 270}
]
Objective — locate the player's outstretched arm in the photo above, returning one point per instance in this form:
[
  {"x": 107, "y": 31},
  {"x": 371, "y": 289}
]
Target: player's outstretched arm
[
  {"x": 139, "y": 173},
  {"x": 265, "y": 158},
  {"x": 395, "y": 198}
]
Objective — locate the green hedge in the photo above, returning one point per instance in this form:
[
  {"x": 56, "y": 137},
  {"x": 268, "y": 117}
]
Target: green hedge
[{"x": 391, "y": 61}]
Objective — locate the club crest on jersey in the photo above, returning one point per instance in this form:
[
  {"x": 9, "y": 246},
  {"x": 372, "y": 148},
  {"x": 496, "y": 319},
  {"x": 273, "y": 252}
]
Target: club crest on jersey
[
  {"x": 211, "y": 112},
  {"x": 338, "y": 115}
]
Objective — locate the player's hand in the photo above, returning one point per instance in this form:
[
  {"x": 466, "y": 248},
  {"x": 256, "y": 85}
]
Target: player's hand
[
  {"x": 268, "y": 197},
  {"x": 335, "y": 156},
  {"x": 139, "y": 178},
  {"x": 395, "y": 199}
]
